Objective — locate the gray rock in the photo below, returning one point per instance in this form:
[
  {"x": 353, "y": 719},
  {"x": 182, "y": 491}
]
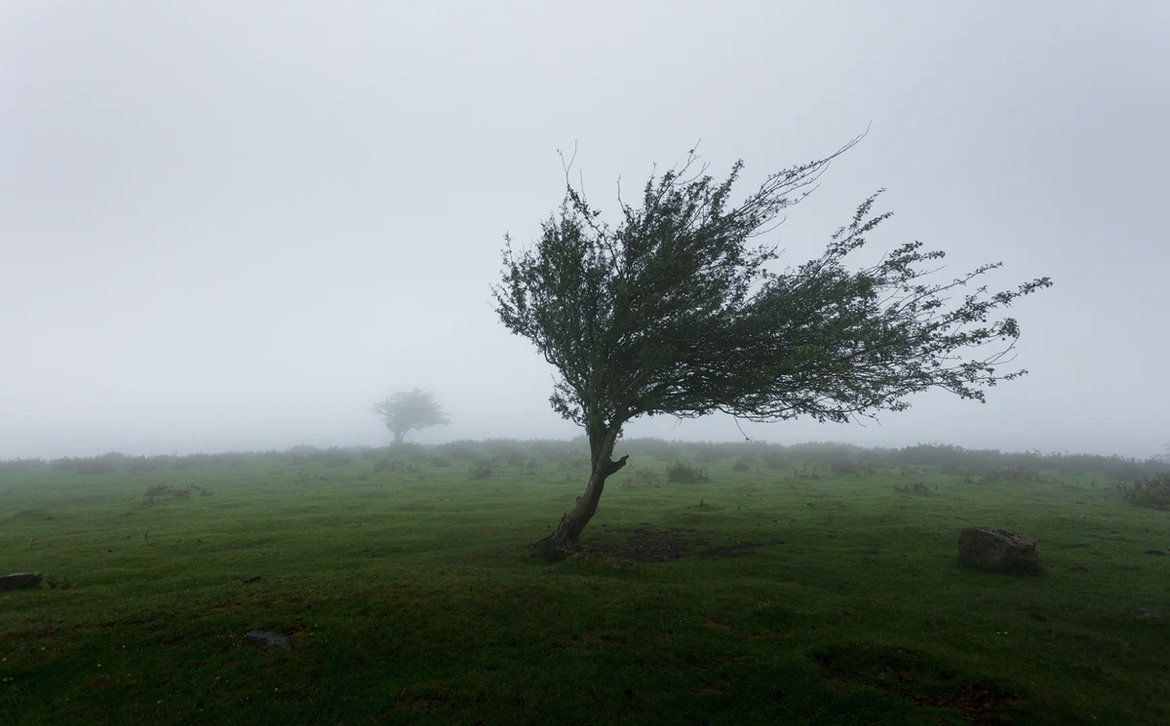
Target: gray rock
[
  {"x": 20, "y": 581},
  {"x": 1147, "y": 614},
  {"x": 264, "y": 637},
  {"x": 987, "y": 548}
]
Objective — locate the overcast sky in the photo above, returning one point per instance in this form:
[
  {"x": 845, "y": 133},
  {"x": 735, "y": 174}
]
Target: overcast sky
[{"x": 236, "y": 225}]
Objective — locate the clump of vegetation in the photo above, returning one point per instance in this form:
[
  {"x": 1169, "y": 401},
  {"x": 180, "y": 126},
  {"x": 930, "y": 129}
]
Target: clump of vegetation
[
  {"x": 166, "y": 490},
  {"x": 393, "y": 465},
  {"x": 461, "y": 450},
  {"x": 680, "y": 472},
  {"x": 513, "y": 457},
  {"x": 1152, "y": 492},
  {"x": 1014, "y": 475},
  {"x": 481, "y": 469},
  {"x": 14, "y": 466},
  {"x": 107, "y": 464},
  {"x": 913, "y": 487},
  {"x": 853, "y": 468},
  {"x": 645, "y": 477},
  {"x": 743, "y": 463}
]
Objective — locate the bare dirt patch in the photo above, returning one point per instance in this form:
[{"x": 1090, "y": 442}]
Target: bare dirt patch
[
  {"x": 729, "y": 551},
  {"x": 650, "y": 545},
  {"x": 645, "y": 545}
]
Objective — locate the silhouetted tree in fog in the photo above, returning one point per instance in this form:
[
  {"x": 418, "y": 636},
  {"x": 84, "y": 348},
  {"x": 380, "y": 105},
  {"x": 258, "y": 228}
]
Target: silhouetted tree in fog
[
  {"x": 672, "y": 313},
  {"x": 406, "y": 411}
]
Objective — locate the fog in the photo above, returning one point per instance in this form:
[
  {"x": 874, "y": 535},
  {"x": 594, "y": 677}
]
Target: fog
[{"x": 236, "y": 225}]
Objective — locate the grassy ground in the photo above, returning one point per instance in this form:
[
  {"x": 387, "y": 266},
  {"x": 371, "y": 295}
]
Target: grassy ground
[{"x": 412, "y": 595}]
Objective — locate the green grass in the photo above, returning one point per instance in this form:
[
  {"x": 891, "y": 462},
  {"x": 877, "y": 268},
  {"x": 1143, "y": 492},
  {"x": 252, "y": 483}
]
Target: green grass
[{"x": 413, "y": 595}]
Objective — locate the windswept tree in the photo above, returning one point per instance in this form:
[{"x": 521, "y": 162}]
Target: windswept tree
[
  {"x": 406, "y": 411},
  {"x": 672, "y": 312}
]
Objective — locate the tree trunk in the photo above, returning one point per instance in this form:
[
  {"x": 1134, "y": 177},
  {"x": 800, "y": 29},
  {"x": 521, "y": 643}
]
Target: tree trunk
[
  {"x": 399, "y": 436},
  {"x": 564, "y": 538}
]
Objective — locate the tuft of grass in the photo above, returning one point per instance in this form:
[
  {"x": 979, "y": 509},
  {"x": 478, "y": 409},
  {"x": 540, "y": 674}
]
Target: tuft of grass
[{"x": 917, "y": 486}]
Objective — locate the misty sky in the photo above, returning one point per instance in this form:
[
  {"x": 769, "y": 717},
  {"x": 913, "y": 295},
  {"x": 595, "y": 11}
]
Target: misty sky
[{"x": 236, "y": 225}]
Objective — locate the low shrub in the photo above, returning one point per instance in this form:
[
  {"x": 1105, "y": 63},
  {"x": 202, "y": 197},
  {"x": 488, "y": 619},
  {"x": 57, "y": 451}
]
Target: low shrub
[
  {"x": 680, "y": 472},
  {"x": 1152, "y": 492},
  {"x": 642, "y": 478},
  {"x": 166, "y": 490},
  {"x": 481, "y": 469},
  {"x": 852, "y": 467}
]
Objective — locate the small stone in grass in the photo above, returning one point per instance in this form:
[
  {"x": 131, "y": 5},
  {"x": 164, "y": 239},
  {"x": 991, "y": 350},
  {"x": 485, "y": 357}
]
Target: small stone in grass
[{"x": 264, "y": 637}]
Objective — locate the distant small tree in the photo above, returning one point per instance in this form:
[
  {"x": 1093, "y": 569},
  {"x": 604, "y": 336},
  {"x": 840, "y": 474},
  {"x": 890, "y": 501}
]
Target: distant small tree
[
  {"x": 406, "y": 411},
  {"x": 673, "y": 313}
]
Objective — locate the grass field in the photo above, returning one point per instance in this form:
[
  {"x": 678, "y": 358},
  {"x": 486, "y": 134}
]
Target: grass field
[{"x": 774, "y": 592}]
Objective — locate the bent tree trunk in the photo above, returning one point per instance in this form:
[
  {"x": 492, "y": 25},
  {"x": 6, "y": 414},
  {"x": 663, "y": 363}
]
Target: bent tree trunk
[{"x": 564, "y": 538}]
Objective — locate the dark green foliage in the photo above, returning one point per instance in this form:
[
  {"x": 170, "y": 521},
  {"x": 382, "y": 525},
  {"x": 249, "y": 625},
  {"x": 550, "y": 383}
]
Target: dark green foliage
[
  {"x": 1152, "y": 492},
  {"x": 672, "y": 312},
  {"x": 481, "y": 469},
  {"x": 681, "y": 472}
]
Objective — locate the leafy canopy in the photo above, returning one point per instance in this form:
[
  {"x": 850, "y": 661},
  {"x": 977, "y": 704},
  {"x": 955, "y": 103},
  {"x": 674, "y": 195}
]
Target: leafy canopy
[
  {"x": 673, "y": 312},
  {"x": 406, "y": 411}
]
